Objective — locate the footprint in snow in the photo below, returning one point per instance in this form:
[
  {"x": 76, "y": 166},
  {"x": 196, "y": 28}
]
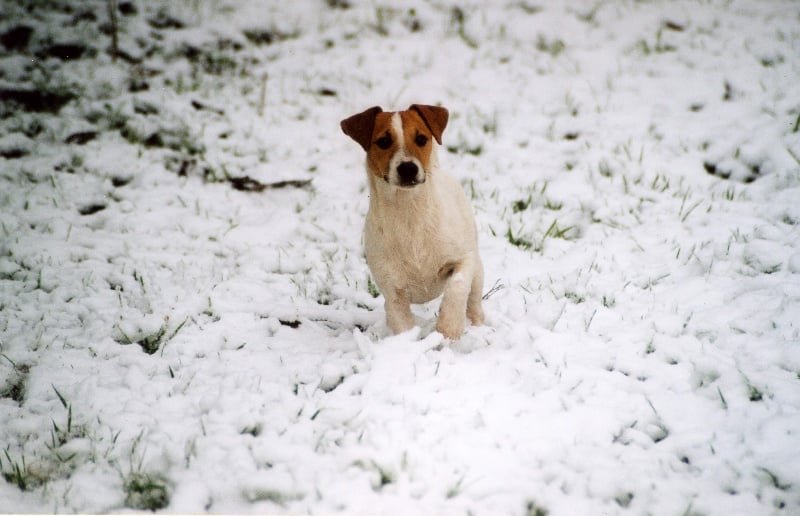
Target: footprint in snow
[
  {"x": 734, "y": 170},
  {"x": 763, "y": 152}
]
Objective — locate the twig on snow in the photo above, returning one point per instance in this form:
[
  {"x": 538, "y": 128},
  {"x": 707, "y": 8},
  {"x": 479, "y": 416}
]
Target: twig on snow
[
  {"x": 112, "y": 14},
  {"x": 248, "y": 184}
]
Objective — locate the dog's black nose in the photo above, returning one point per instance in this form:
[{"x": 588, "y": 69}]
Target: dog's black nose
[{"x": 407, "y": 172}]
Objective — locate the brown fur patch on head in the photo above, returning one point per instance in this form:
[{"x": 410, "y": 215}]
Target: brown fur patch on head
[
  {"x": 417, "y": 137},
  {"x": 383, "y": 145}
]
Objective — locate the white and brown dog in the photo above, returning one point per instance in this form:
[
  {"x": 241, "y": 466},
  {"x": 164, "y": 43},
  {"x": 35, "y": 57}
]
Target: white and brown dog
[{"x": 420, "y": 237}]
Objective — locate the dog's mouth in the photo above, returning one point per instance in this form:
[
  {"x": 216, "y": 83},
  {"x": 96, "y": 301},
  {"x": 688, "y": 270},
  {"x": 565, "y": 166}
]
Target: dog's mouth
[
  {"x": 411, "y": 184},
  {"x": 404, "y": 184}
]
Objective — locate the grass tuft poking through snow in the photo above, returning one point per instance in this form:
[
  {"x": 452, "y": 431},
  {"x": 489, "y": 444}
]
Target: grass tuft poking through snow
[{"x": 144, "y": 492}]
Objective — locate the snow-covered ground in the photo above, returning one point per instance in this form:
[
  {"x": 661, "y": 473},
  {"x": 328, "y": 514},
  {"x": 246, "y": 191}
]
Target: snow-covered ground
[{"x": 175, "y": 337}]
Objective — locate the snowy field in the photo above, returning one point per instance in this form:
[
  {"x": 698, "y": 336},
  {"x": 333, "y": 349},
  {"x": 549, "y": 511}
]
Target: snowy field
[{"x": 187, "y": 322}]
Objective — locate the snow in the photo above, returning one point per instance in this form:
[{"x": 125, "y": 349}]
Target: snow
[{"x": 169, "y": 342}]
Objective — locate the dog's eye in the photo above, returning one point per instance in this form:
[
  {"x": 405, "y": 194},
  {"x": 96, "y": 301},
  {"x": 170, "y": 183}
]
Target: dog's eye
[
  {"x": 384, "y": 142},
  {"x": 421, "y": 140}
]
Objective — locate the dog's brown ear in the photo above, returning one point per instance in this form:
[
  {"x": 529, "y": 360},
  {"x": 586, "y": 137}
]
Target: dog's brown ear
[
  {"x": 359, "y": 127},
  {"x": 435, "y": 118}
]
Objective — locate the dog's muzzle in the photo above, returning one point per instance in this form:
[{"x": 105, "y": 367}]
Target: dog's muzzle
[{"x": 408, "y": 174}]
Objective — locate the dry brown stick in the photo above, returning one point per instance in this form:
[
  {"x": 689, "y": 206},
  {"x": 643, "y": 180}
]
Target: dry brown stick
[
  {"x": 262, "y": 102},
  {"x": 112, "y": 14}
]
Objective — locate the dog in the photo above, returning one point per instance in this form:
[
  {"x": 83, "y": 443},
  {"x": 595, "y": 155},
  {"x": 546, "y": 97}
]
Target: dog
[{"x": 420, "y": 238}]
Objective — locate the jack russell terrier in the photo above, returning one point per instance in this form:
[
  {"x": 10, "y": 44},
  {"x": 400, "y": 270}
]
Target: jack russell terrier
[{"x": 419, "y": 237}]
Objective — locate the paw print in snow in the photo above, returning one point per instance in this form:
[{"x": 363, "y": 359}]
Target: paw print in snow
[
  {"x": 734, "y": 170},
  {"x": 745, "y": 161}
]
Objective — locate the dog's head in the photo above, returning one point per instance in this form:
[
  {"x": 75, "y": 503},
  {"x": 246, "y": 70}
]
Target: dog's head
[{"x": 399, "y": 145}]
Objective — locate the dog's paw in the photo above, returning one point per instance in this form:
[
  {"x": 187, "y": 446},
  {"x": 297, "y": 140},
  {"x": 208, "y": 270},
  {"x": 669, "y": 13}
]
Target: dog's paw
[
  {"x": 476, "y": 316},
  {"x": 399, "y": 321},
  {"x": 451, "y": 330}
]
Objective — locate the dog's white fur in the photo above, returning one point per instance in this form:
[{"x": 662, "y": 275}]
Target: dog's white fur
[{"x": 420, "y": 240}]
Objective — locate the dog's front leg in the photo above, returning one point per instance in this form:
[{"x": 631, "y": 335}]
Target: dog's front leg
[
  {"x": 398, "y": 311},
  {"x": 453, "y": 310},
  {"x": 474, "y": 302}
]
